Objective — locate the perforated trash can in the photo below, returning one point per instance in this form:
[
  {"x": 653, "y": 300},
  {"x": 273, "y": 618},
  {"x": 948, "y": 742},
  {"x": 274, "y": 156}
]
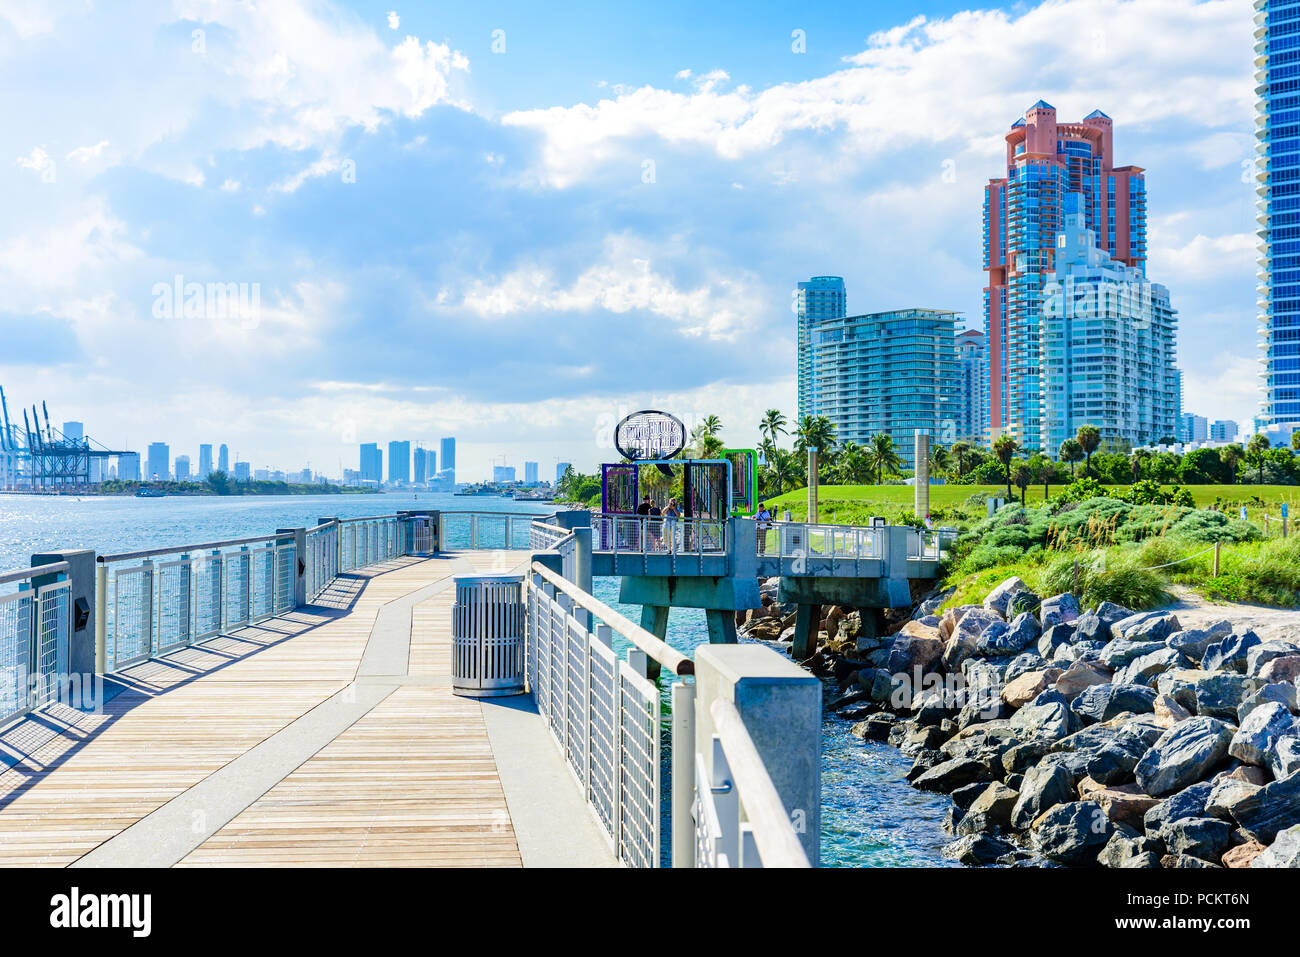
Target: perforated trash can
[{"x": 487, "y": 636}]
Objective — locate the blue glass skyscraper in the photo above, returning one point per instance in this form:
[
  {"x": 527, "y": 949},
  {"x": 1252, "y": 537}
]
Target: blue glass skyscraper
[
  {"x": 1277, "y": 174},
  {"x": 816, "y": 300}
]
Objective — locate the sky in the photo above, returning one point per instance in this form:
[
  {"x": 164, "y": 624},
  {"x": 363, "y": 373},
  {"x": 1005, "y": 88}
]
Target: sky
[{"x": 514, "y": 222}]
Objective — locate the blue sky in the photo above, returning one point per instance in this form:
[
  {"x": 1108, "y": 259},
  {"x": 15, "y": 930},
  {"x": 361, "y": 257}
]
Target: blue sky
[{"x": 513, "y": 223}]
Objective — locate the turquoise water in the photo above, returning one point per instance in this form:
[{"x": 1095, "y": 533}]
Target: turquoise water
[{"x": 871, "y": 817}]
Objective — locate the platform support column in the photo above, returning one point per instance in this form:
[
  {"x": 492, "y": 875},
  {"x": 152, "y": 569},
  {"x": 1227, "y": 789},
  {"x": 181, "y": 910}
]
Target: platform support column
[
  {"x": 806, "y": 620},
  {"x": 654, "y": 619}
]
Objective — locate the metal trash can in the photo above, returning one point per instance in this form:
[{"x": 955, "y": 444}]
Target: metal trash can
[{"x": 487, "y": 636}]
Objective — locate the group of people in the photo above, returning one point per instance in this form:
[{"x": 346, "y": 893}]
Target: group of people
[
  {"x": 647, "y": 507},
  {"x": 763, "y": 518}
]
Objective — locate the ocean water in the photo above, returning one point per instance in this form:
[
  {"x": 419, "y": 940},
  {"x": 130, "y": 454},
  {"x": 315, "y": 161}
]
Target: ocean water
[{"x": 871, "y": 816}]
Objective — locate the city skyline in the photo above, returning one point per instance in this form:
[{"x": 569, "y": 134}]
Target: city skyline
[{"x": 648, "y": 188}]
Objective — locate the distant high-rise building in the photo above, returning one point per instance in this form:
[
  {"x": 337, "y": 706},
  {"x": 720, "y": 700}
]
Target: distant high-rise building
[
  {"x": 74, "y": 431},
  {"x": 503, "y": 474},
  {"x": 1277, "y": 177},
  {"x": 560, "y": 469},
  {"x": 447, "y": 450},
  {"x": 182, "y": 468},
  {"x": 424, "y": 465},
  {"x": 1023, "y": 213},
  {"x": 1224, "y": 430},
  {"x": 372, "y": 463},
  {"x": 223, "y": 459},
  {"x": 972, "y": 387},
  {"x": 128, "y": 467},
  {"x": 892, "y": 372},
  {"x": 815, "y": 301},
  {"x": 1193, "y": 428},
  {"x": 530, "y": 473},
  {"x": 158, "y": 464},
  {"x": 262, "y": 475},
  {"x": 205, "y": 461},
  {"x": 1107, "y": 345},
  {"x": 399, "y": 462},
  {"x": 243, "y": 471}
]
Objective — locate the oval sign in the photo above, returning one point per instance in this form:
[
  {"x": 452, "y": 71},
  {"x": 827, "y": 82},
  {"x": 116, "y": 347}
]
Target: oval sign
[{"x": 649, "y": 435}]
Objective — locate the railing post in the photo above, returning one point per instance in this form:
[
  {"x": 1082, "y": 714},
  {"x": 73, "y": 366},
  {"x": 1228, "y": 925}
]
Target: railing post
[
  {"x": 83, "y": 604},
  {"x": 101, "y": 619},
  {"x": 683, "y": 769},
  {"x": 781, "y": 706},
  {"x": 582, "y": 558},
  {"x": 300, "y": 571}
]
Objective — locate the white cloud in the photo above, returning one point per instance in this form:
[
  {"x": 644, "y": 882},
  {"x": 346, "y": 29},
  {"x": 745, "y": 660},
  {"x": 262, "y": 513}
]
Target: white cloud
[
  {"x": 394, "y": 21},
  {"x": 84, "y": 154},
  {"x": 38, "y": 161},
  {"x": 942, "y": 81}
]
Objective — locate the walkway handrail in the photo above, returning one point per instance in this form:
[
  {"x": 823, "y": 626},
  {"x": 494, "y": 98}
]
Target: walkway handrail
[
  {"x": 26, "y": 574},
  {"x": 661, "y": 652},
  {"x": 778, "y": 845},
  {"x": 203, "y": 546}
]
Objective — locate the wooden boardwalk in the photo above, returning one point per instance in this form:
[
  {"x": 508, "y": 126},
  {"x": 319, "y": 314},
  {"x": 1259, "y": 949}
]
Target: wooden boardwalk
[{"x": 279, "y": 745}]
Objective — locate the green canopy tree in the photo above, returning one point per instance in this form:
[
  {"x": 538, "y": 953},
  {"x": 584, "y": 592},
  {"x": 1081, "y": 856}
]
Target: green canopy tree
[
  {"x": 1005, "y": 448},
  {"x": 1071, "y": 452},
  {"x": 1088, "y": 437},
  {"x": 883, "y": 456}
]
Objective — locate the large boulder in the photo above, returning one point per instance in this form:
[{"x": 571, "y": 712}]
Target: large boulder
[
  {"x": 1055, "y": 637},
  {"x": 1273, "y": 808},
  {"x": 1111, "y": 613},
  {"x": 1215, "y": 694},
  {"x": 972, "y": 624},
  {"x": 1090, "y": 627},
  {"x": 1230, "y": 653},
  {"x": 1123, "y": 803},
  {"x": 1000, "y": 597},
  {"x": 1284, "y": 851},
  {"x": 911, "y": 652},
  {"x": 1101, "y": 702},
  {"x": 1189, "y": 802},
  {"x": 952, "y": 774},
  {"x": 1050, "y": 719},
  {"x": 1243, "y": 854},
  {"x": 1260, "y": 655},
  {"x": 1168, "y": 712},
  {"x": 1080, "y": 675},
  {"x": 1059, "y": 609},
  {"x": 1146, "y": 626},
  {"x": 1281, "y": 692},
  {"x": 1203, "y": 837},
  {"x": 1143, "y": 669},
  {"x": 1027, "y": 687},
  {"x": 1130, "y": 852},
  {"x": 1225, "y": 795},
  {"x": 1183, "y": 755},
  {"x": 978, "y": 850},
  {"x": 1118, "y": 652},
  {"x": 1260, "y": 732},
  {"x": 1284, "y": 669},
  {"x": 990, "y": 811},
  {"x": 1072, "y": 833},
  {"x": 1193, "y": 642},
  {"x": 1024, "y": 663},
  {"x": 1001, "y": 640},
  {"x": 1284, "y": 759},
  {"x": 1046, "y": 785}
]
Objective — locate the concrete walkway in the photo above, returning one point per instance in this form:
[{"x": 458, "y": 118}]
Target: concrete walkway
[{"x": 327, "y": 737}]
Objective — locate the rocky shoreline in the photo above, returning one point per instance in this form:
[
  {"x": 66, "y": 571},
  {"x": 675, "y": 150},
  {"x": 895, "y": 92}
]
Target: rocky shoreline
[{"x": 1074, "y": 737}]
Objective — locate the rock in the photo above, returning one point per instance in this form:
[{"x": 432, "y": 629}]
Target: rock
[
  {"x": 1146, "y": 626},
  {"x": 1184, "y": 754},
  {"x": 1059, "y": 609},
  {"x": 910, "y": 652},
  {"x": 1111, "y": 613},
  {"x": 1054, "y": 637},
  {"x": 1103, "y": 702},
  {"x": 1283, "y": 852},
  {"x": 1203, "y": 837},
  {"x": 1248, "y": 774},
  {"x": 1126, "y": 852},
  {"x": 992, "y": 639},
  {"x": 1119, "y": 652},
  {"x": 1184, "y": 861},
  {"x": 917, "y": 741},
  {"x": 1019, "y": 758},
  {"x": 1029, "y": 686},
  {"x": 1285, "y": 669},
  {"x": 764, "y": 629},
  {"x": 1123, "y": 804},
  {"x": 877, "y": 683},
  {"x": 1001, "y": 639},
  {"x": 1243, "y": 854},
  {"x": 1045, "y": 786},
  {"x": 1284, "y": 693},
  {"x": 965, "y": 795},
  {"x": 1072, "y": 833},
  {"x": 1260, "y": 732},
  {"x": 1048, "y": 720},
  {"x": 1000, "y": 597},
  {"x": 1022, "y": 602},
  {"x": 1168, "y": 712},
  {"x": 1212, "y": 694},
  {"x": 1144, "y": 668},
  {"x": 1230, "y": 653},
  {"x": 978, "y": 850},
  {"x": 1023, "y": 664},
  {"x": 948, "y": 621},
  {"x": 1284, "y": 759},
  {"x": 952, "y": 774},
  {"x": 1273, "y": 808},
  {"x": 1227, "y": 792},
  {"x": 1090, "y": 627},
  {"x": 848, "y": 700},
  {"x": 994, "y": 805},
  {"x": 1192, "y": 642},
  {"x": 1080, "y": 675},
  {"x": 1260, "y": 655},
  {"x": 1189, "y": 802},
  {"x": 874, "y": 728},
  {"x": 925, "y": 760}
]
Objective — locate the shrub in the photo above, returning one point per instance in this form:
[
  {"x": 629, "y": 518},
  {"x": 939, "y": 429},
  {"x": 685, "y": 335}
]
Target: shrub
[
  {"x": 1080, "y": 490},
  {"x": 1118, "y": 576}
]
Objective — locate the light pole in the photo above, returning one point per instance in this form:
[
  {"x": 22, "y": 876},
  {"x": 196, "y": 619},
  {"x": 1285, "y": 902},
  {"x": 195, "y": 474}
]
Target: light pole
[{"x": 812, "y": 485}]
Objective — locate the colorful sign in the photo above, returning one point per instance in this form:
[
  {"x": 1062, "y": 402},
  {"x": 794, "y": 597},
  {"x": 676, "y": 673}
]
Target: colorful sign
[
  {"x": 744, "y": 480},
  {"x": 649, "y": 435}
]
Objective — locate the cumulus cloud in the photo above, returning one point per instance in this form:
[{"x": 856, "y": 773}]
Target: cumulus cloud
[{"x": 394, "y": 21}]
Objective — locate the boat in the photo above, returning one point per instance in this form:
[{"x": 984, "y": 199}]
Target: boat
[{"x": 150, "y": 493}]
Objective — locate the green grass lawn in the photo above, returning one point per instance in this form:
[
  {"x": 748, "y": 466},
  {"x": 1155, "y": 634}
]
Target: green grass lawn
[{"x": 948, "y": 495}]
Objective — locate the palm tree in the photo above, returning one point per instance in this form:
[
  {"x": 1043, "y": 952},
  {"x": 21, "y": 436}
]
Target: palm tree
[
  {"x": 788, "y": 471},
  {"x": 816, "y": 431},
  {"x": 711, "y": 425},
  {"x": 1089, "y": 437},
  {"x": 1135, "y": 462},
  {"x": 940, "y": 462},
  {"x": 1231, "y": 456},
  {"x": 1041, "y": 468},
  {"x": 1295, "y": 441},
  {"x": 772, "y": 425},
  {"x": 883, "y": 456},
  {"x": 959, "y": 452},
  {"x": 1005, "y": 448},
  {"x": 1072, "y": 452},
  {"x": 1257, "y": 452},
  {"x": 1024, "y": 475},
  {"x": 854, "y": 464}
]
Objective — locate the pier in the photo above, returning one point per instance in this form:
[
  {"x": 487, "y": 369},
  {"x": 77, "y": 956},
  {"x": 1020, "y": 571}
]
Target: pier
[{"x": 288, "y": 700}]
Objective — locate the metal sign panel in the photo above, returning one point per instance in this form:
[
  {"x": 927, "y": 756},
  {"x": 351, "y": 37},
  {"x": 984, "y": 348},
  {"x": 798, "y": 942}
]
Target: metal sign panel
[
  {"x": 744, "y": 480},
  {"x": 649, "y": 435}
]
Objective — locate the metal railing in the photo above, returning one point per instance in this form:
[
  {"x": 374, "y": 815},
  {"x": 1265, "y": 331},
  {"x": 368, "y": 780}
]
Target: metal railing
[
  {"x": 607, "y": 719},
  {"x": 362, "y": 542},
  {"x": 157, "y": 600},
  {"x": 508, "y": 530},
  {"x": 655, "y": 535},
  {"x": 35, "y": 632},
  {"x": 543, "y": 536}
]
